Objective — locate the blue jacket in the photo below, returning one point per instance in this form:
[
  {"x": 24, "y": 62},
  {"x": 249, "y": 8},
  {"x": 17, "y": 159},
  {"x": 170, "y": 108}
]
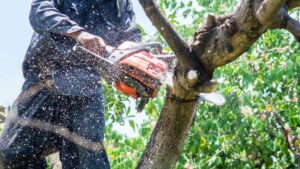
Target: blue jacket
[{"x": 50, "y": 48}]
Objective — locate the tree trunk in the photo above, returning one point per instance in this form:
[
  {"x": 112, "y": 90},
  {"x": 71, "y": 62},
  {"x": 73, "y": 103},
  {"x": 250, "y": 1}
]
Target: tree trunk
[{"x": 169, "y": 135}]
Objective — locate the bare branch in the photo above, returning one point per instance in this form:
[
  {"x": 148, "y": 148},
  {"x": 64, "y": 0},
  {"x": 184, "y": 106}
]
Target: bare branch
[
  {"x": 177, "y": 44},
  {"x": 293, "y": 4},
  {"x": 268, "y": 10},
  {"x": 293, "y": 26}
]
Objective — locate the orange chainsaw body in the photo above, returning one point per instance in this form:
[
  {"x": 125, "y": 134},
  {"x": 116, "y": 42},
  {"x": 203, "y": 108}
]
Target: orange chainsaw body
[{"x": 142, "y": 67}]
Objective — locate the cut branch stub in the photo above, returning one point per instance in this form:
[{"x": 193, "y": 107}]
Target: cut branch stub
[
  {"x": 192, "y": 76},
  {"x": 187, "y": 78},
  {"x": 183, "y": 86}
]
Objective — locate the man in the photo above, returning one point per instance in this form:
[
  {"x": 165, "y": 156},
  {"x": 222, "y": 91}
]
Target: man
[{"x": 73, "y": 99}]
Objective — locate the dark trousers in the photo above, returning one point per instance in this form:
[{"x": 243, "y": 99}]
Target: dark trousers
[{"x": 25, "y": 147}]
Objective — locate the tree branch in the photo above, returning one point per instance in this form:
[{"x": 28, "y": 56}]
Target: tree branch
[
  {"x": 268, "y": 10},
  {"x": 176, "y": 43},
  {"x": 293, "y": 4},
  {"x": 293, "y": 26},
  {"x": 219, "y": 41}
]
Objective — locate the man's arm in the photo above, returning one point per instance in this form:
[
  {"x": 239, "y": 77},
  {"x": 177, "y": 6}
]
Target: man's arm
[{"x": 45, "y": 18}]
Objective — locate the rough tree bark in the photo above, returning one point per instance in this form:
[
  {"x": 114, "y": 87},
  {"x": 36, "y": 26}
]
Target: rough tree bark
[{"x": 219, "y": 41}]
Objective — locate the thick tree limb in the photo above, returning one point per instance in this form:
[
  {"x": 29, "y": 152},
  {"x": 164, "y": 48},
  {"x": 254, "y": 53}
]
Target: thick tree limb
[
  {"x": 176, "y": 43},
  {"x": 221, "y": 40},
  {"x": 268, "y": 10},
  {"x": 293, "y": 4}
]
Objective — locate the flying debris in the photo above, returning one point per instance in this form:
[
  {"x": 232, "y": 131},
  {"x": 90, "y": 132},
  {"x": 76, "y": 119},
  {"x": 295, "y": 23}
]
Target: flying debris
[{"x": 137, "y": 70}]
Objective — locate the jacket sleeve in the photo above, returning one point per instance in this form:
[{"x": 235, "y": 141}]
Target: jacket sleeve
[{"x": 45, "y": 17}]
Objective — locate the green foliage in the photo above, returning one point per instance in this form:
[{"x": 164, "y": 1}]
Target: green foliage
[
  {"x": 117, "y": 105},
  {"x": 261, "y": 85},
  {"x": 124, "y": 152}
]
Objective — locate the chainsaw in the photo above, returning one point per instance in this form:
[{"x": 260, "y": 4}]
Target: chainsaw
[{"x": 137, "y": 70}]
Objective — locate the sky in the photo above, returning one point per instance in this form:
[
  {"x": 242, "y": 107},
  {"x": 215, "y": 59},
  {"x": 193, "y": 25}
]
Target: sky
[{"x": 15, "y": 33}]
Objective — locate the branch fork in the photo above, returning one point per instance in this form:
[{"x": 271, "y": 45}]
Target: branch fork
[{"x": 219, "y": 41}]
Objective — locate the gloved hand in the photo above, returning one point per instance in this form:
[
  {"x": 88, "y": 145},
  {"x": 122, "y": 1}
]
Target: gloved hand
[{"x": 90, "y": 42}]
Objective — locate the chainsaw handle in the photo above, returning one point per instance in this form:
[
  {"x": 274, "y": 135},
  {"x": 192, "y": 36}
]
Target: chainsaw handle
[
  {"x": 151, "y": 45},
  {"x": 108, "y": 50},
  {"x": 146, "y": 46}
]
